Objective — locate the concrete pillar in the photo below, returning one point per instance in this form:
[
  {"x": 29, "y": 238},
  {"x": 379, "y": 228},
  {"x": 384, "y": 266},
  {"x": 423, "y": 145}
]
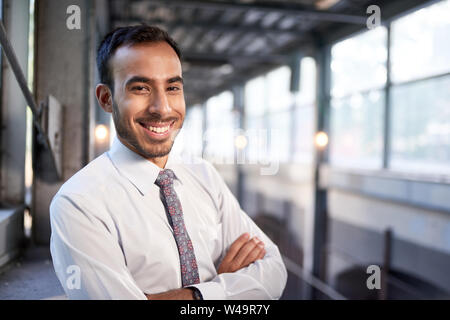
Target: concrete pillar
[
  {"x": 15, "y": 17},
  {"x": 13, "y": 106},
  {"x": 65, "y": 69}
]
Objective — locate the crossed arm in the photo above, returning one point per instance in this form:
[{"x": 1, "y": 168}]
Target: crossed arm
[{"x": 242, "y": 253}]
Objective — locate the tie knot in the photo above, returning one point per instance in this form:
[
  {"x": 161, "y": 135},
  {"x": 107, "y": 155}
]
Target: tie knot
[{"x": 165, "y": 178}]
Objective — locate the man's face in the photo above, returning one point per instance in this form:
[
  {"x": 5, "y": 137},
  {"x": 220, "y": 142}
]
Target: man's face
[{"x": 148, "y": 102}]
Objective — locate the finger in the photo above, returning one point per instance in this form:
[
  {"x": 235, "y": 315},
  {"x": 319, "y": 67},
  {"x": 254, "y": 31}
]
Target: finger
[
  {"x": 244, "y": 251},
  {"x": 236, "y": 246},
  {"x": 254, "y": 254},
  {"x": 261, "y": 254}
]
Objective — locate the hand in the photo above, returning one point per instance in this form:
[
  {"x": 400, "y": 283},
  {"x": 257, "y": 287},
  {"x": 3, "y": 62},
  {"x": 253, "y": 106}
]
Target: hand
[{"x": 242, "y": 252}]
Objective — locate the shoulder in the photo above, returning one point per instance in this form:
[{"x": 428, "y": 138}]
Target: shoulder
[
  {"x": 201, "y": 169},
  {"x": 89, "y": 183},
  {"x": 91, "y": 177}
]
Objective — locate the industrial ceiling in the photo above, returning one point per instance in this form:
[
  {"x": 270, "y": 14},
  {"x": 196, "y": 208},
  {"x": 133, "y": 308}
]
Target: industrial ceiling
[{"x": 227, "y": 42}]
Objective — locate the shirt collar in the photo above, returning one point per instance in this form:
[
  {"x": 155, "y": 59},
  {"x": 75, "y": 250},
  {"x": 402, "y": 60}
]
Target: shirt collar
[{"x": 141, "y": 172}]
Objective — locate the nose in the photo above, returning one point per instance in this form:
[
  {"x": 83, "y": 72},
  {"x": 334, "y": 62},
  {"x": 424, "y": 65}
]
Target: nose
[{"x": 159, "y": 103}]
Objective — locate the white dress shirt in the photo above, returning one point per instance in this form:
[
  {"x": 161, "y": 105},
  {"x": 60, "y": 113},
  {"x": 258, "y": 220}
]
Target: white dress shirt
[{"x": 111, "y": 238}]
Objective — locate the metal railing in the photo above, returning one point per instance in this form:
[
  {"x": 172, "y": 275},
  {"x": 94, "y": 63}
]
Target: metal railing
[
  {"x": 312, "y": 280},
  {"x": 18, "y": 73}
]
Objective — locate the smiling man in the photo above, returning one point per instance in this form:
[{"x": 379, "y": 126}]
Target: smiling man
[{"x": 139, "y": 223}]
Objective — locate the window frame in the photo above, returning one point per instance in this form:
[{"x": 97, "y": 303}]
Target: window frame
[{"x": 387, "y": 134}]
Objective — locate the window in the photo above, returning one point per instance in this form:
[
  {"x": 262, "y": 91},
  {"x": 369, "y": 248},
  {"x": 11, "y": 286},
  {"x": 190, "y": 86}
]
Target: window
[
  {"x": 268, "y": 104},
  {"x": 420, "y": 95},
  {"x": 359, "y": 63},
  {"x": 420, "y": 43},
  {"x": 358, "y": 72},
  {"x": 357, "y": 127},
  {"x": 421, "y": 126},
  {"x": 190, "y": 139},
  {"x": 221, "y": 123},
  {"x": 304, "y": 113},
  {"x": 255, "y": 99},
  {"x": 279, "y": 100},
  {"x": 255, "y": 110},
  {"x": 277, "y": 86}
]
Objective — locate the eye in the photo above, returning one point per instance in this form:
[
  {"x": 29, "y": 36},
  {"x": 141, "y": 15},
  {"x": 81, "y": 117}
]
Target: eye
[
  {"x": 139, "y": 88},
  {"x": 173, "y": 88}
]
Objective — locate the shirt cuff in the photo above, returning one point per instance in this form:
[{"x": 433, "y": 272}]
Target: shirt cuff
[{"x": 210, "y": 290}]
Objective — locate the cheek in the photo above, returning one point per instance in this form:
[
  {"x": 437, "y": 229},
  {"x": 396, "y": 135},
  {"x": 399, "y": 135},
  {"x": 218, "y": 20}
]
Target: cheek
[
  {"x": 178, "y": 105},
  {"x": 130, "y": 107}
]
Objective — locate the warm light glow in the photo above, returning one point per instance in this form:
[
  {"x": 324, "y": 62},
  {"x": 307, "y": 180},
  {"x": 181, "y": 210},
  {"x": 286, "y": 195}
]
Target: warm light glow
[
  {"x": 240, "y": 142},
  {"x": 321, "y": 139},
  {"x": 101, "y": 132}
]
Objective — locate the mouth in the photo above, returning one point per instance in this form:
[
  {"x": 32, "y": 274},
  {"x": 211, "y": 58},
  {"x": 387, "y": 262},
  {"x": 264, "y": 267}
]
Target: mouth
[{"x": 158, "y": 129}]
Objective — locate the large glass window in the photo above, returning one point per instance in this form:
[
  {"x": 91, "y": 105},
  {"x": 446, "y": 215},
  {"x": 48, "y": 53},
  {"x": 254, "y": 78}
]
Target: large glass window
[
  {"x": 421, "y": 126},
  {"x": 420, "y": 95},
  {"x": 359, "y": 63},
  {"x": 419, "y": 101},
  {"x": 279, "y": 100},
  {"x": 220, "y": 128},
  {"x": 420, "y": 43},
  {"x": 190, "y": 139},
  {"x": 304, "y": 112},
  {"x": 255, "y": 110},
  {"x": 278, "y": 93},
  {"x": 358, "y": 72},
  {"x": 255, "y": 97},
  {"x": 273, "y": 111},
  {"x": 357, "y": 127}
]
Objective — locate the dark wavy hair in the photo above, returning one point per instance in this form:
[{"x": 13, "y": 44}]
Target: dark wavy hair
[{"x": 129, "y": 35}]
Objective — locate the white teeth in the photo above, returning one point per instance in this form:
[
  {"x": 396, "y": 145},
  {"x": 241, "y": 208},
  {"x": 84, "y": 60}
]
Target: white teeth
[{"x": 158, "y": 129}]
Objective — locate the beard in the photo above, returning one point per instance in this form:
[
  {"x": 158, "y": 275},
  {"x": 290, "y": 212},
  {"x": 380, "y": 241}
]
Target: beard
[{"x": 155, "y": 149}]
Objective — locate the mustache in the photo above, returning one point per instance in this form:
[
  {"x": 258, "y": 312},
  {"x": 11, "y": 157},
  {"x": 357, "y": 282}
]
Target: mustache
[{"x": 157, "y": 119}]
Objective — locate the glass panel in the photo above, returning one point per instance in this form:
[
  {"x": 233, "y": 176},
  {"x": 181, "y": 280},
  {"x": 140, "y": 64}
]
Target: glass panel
[
  {"x": 421, "y": 126},
  {"x": 304, "y": 134},
  {"x": 420, "y": 43},
  {"x": 307, "y": 92},
  {"x": 257, "y": 134},
  {"x": 359, "y": 63},
  {"x": 255, "y": 99},
  {"x": 220, "y": 128},
  {"x": 279, "y": 136},
  {"x": 279, "y": 96},
  {"x": 357, "y": 130},
  {"x": 193, "y": 131}
]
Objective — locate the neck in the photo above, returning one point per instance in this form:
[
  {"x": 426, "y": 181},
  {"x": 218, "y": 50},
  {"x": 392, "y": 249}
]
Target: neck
[{"x": 159, "y": 161}]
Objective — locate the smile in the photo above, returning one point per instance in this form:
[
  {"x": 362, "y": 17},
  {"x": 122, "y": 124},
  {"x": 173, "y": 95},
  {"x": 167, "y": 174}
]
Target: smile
[{"x": 157, "y": 129}]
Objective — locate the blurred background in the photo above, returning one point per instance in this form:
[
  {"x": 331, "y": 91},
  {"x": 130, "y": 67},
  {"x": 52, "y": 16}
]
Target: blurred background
[{"x": 330, "y": 126}]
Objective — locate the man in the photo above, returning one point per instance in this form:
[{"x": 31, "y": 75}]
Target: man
[{"x": 138, "y": 223}]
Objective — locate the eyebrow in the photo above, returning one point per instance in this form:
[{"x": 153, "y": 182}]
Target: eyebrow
[{"x": 149, "y": 81}]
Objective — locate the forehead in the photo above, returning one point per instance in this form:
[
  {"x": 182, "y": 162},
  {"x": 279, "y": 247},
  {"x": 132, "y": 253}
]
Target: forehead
[{"x": 156, "y": 60}]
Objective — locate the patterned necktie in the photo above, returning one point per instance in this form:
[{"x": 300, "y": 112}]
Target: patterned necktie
[{"x": 189, "y": 269}]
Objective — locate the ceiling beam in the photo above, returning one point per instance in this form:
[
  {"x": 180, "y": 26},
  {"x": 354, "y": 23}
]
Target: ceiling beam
[
  {"x": 222, "y": 58},
  {"x": 284, "y": 8},
  {"x": 222, "y": 27}
]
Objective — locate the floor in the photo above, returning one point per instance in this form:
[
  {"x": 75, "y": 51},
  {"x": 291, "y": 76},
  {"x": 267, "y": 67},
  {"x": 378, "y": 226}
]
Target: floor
[{"x": 31, "y": 277}]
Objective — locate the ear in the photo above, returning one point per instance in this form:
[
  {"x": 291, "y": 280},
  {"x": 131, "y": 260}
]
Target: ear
[{"x": 104, "y": 97}]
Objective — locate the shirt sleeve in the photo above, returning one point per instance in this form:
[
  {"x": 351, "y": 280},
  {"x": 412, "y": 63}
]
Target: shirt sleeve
[
  {"x": 263, "y": 279},
  {"x": 87, "y": 257}
]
